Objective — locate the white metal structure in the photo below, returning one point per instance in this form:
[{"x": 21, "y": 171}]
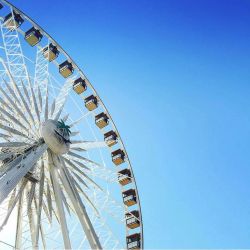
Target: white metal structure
[{"x": 65, "y": 177}]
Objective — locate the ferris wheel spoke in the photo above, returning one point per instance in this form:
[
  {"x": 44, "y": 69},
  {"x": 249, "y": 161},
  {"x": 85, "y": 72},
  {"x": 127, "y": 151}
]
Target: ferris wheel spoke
[
  {"x": 30, "y": 218},
  {"x": 95, "y": 170},
  {"x": 59, "y": 112},
  {"x": 34, "y": 102},
  {"x": 26, "y": 93},
  {"x": 39, "y": 226},
  {"x": 79, "y": 209},
  {"x": 59, "y": 99},
  {"x": 8, "y": 118},
  {"x": 19, "y": 193},
  {"x": 41, "y": 73},
  {"x": 75, "y": 168},
  {"x": 4, "y": 136},
  {"x": 24, "y": 103},
  {"x": 46, "y": 211},
  {"x": 18, "y": 239},
  {"x": 86, "y": 145},
  {"x": 62, "y": 97},
  {"x": 54, "y": 211},
  {"x": 13, "y": 109},
  {"x": 4, "y": 120},
  {"x": 40, "y": 98},
  {"x": 80, "y": 179},
  {"x": 13, "y": 119},
  {"x": 30, "y": 196},
  {"x": 91, "y": 181},
  {"x": 14, "y": 131},
  {"x": 13, "y": 122},
  {"x": 12, "y": 93},
  {"x": 78, "y": 149},
  {"x": 65, "y": 118},
  {"x": 78, "y": 188},
  {"x": 74, "y": 133},
  {"x": 39, "y": 207},
  {"x": 12, "y": 106},
  {"x": 79, "y": 120},
  {"x": 59, "y": 204},
  {"x": 86, "y": 177},
  {"x": 46, "y": 107},
  {"x": 11, "y": 199},
  {"x": 66, "y": 204},
  {"x": 52, "y": 108},
  {"x": 49, "y": 201},
  {"x": 72, "y": 163},
  {"x": 73, "y": 155}
]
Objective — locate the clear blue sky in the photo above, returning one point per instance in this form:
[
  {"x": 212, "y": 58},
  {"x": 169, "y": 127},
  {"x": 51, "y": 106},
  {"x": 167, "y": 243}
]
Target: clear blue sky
[{"x": 175, "y": 76}]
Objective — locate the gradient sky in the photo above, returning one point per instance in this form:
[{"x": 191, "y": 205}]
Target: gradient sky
[{"x": 174, "y": 75}]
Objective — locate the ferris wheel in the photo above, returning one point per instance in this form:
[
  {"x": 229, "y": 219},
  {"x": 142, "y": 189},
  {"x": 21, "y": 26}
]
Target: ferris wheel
[{"x": 66, "y": 181}]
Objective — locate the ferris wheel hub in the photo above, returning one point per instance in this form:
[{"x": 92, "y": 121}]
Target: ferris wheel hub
[{"x": 56, "y": 135}]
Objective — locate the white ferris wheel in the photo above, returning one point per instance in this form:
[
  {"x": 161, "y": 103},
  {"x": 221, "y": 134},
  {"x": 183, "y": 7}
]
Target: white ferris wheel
[{"x": 66, "y": 181}]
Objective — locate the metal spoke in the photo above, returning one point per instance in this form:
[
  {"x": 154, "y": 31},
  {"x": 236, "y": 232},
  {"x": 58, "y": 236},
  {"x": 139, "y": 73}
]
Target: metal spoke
[
  {"x": 59, "y": 204},
  {"x": 80, "y": 210}
]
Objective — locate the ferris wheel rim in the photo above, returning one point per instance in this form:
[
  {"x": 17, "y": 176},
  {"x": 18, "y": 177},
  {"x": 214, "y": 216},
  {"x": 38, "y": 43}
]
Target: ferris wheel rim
[{"x": 76, "y": 67}]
